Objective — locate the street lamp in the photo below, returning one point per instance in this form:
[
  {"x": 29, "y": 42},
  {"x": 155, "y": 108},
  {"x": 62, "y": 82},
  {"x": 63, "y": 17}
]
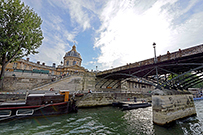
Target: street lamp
[
  {"x": 96, "y": 70},
  {"x": 154, "y": 46},
  {"x": 155, "y": 60}
]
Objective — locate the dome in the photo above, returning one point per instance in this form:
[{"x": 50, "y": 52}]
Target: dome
[{"x": 73, "y": 53}]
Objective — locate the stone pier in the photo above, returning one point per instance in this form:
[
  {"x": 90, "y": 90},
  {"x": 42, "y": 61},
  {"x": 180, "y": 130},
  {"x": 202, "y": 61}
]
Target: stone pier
[{"x": 168, "y": 108}]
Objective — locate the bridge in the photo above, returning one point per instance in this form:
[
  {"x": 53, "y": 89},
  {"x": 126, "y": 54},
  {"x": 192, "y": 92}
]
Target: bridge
[{"x": 178, "y": 70}]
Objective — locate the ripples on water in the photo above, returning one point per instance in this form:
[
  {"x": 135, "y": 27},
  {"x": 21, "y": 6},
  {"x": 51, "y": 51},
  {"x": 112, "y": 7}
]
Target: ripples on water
[{"x": 104, "y": 121}]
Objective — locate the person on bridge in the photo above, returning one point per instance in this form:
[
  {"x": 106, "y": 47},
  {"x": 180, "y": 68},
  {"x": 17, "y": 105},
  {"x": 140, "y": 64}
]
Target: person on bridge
[{"x": 89, "y": 91}]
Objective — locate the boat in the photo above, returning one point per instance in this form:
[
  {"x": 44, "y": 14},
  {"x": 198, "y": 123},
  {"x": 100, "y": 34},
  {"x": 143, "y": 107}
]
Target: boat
[
  {"x": 38, "y": 105},
  {"x": 197, "y": 93},
  {"x": 79, "y": 94},
  {"x": 136, "y": 105},
  {"x": 126, "y": 105},
  {"x": 198, "y": 98}
]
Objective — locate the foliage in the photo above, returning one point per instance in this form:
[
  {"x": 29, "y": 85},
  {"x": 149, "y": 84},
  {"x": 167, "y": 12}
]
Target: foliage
[{"x": 20, "y": 32}]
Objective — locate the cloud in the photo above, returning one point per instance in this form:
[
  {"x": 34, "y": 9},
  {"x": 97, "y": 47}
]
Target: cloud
[
  {"x": 56, "y": 38},
  {"x": 52, "y": 50},
  {"x": 124, "y": 31},
  {"x": 78, "y": 10},
  {"x": 129, "y": 29}
]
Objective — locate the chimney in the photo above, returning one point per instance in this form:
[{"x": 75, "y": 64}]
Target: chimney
[
  {"x": 43, "y": 64},
  {"x": 28, "y": 59},
  {"x": 38, "y": 62}
]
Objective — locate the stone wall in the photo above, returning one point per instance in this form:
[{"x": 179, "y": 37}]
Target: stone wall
[
  {"x": 73, "y": 82},
  {"x": 169, "y": 108},
  {"x": 107, "y": 98},
  {"x": 35, "y": 81},
  {"x": 19, "y": 83},
  {"x": 89, "y": 81}
]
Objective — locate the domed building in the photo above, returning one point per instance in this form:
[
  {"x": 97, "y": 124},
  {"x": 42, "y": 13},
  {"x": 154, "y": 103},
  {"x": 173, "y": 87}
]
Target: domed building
[
  {"x": 71, "y": 63},
  {"x": 72, "y": 58}
]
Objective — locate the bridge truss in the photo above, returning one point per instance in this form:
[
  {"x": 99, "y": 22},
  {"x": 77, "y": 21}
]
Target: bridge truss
[{"x": 180, "y": 72}]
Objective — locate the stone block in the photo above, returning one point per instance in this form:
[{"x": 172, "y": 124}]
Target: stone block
[{"x": 169, "y": 108}]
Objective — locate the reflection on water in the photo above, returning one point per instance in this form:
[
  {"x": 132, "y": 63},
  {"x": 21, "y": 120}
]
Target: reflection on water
[
  {"x": 104, "y": 121},
  {"x": 139, "y": 121}
]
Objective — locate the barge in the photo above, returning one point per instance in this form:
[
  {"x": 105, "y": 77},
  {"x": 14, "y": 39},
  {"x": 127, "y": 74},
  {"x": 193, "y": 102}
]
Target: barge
[{"x": 38, "y": 105}]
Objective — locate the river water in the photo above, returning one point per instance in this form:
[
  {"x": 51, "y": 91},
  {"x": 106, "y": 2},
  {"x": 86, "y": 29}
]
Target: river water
[{"x": 104, "y": 121}]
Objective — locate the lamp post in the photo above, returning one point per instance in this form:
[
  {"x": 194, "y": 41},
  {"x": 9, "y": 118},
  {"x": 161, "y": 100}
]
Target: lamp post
[
  {"x": 154, "y": 46},
  {"x": 155, "y": 61},
  {"x": 96, "y": 69}
]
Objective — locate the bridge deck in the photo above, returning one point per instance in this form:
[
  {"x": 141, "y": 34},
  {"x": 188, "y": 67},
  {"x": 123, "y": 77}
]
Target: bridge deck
[{"x": 177, "y": 62}]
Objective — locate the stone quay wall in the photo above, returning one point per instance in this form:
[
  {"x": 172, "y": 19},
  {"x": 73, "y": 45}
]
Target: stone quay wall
[
  {"x": 169, "y": 108},
  {"x": 75, "y": 82},
  {"x": 107, "y": 98},
  {"x": 17, "y": 81}
]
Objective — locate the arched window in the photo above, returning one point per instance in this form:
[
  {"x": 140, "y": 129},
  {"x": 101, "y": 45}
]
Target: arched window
[
  {"x": 74, "y": 62},
  {"x": 67, "y": 63}
]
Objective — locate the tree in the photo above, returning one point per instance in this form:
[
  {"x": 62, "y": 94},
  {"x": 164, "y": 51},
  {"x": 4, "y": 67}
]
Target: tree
[{"x": 20, "y": 32}]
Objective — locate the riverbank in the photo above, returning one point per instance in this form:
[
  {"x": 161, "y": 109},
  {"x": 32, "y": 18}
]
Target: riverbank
[
  {"x": 96, "y": 99},
  {"x": 93, "y": 99}
]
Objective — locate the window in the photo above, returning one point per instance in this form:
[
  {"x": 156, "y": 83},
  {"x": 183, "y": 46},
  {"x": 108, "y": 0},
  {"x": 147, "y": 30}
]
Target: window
[
  {"x": 52, "y": 72},
  {"x": 67, "y": 63},
  {"x": 74, "y": 62},
  {"x": 5, "y": 113},
  {"x": 25, "y": 66},
  {"x": 15, "y": 65},
  {"x": 24, "y": 112}
]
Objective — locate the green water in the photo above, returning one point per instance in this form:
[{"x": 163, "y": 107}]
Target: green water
[{"x": 104, "y": 121}]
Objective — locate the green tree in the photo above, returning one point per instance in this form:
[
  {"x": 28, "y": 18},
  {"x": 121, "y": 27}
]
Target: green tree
[{"x": 20, "y": 32}]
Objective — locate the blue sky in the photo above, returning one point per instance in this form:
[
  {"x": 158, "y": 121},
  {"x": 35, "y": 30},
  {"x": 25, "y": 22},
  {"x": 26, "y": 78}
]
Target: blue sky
[{"x": 111, "y": 33}]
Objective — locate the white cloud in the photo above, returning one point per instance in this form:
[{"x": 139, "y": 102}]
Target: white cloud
[
  {"x": 128, "y": 28},
  {"x": 128, "y": 31},
  {"x": 53, "y": 50},
  {"x": 78, "y": 11}
]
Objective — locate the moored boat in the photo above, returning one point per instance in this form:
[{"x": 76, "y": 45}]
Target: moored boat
[
  {"x": 38, "y": 105},
  {"x": 131, "y": 105},
  {"x": 198, "y": 98},
  {"x": 135, "y": 105}
]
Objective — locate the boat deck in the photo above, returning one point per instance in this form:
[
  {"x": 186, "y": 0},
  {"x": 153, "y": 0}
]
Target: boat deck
[
  {"x": 12, "y": 103},
  {"x": 131, "y": 102}
]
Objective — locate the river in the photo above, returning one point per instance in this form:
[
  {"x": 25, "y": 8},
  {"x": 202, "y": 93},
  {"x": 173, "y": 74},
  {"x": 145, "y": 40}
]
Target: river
[{"x": 104, "y": 121}]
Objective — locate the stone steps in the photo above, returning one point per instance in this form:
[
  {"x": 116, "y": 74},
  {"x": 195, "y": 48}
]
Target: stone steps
[{"x": 68, "y": 83}]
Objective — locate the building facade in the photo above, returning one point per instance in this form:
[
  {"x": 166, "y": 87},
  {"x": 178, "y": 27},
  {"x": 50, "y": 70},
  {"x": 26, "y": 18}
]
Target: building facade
[{"x": 72, "y": 64}]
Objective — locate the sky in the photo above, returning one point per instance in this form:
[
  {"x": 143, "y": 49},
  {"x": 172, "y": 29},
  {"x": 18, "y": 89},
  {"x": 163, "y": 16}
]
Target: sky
[{"x": 112, "y": 33}]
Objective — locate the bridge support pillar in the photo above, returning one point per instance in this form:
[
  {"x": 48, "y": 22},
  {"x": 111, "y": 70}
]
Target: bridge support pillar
[{"x": 168, "y": 108}]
